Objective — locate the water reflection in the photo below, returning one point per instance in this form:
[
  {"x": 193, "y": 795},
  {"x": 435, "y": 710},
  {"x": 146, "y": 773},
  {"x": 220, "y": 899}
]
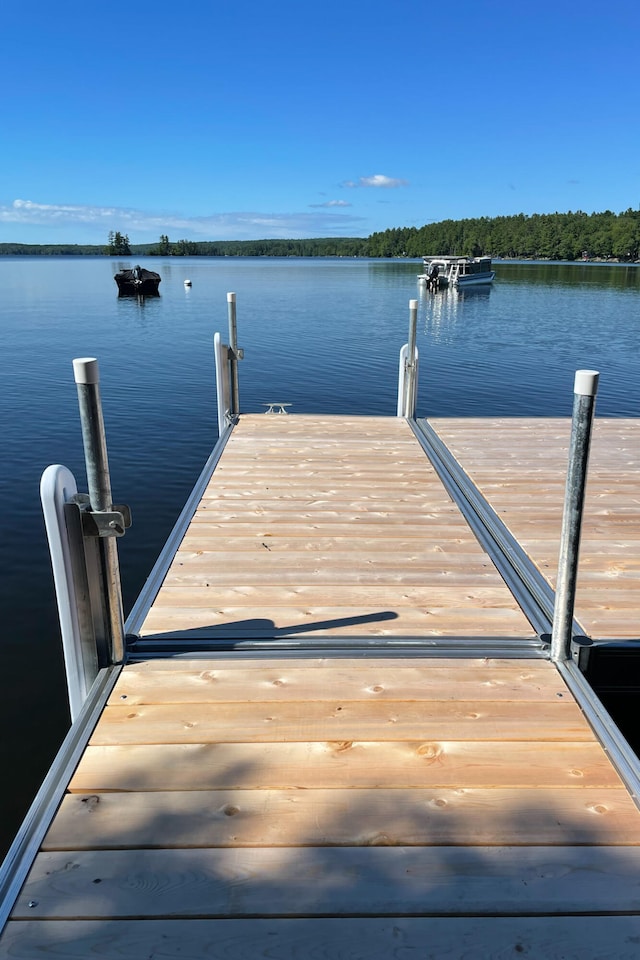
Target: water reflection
[
  {"x": 618, "y": 276},
  {"x": 443, "y": 309},
  {"x": 139, "y": 297}
]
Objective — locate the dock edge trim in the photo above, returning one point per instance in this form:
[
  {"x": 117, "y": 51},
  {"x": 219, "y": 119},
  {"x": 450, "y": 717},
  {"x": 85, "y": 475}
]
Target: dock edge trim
[
  {"x": 159, "y": 571},
  {"x": 25, "y": 847},
  {"x": 615, "y": 745},
  {"x": 527, "y": 584}
]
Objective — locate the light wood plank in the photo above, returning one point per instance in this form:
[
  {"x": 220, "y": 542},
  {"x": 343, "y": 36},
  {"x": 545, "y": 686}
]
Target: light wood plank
[
  {"x": 342, "y": 764},
  {"x": 359, "y": 494},
  {"x": 282, "y": 722},
  {"x": 198, "y": 681},
  {"x": 197, "y": 592},
  {"x": 474, "y": 938},
  {"x": 250, "y": 622},
  {"x": 374, "y": 881},
  {"x": 190, "y": 585},
  {"x": 199, "y": 538},
  {"x": 452, "y": 817},
  {"x": 505, "y": 458}
]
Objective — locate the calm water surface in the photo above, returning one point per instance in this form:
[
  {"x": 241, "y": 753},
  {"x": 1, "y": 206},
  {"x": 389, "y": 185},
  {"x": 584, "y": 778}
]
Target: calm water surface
[{"x": 323, "y": 335}]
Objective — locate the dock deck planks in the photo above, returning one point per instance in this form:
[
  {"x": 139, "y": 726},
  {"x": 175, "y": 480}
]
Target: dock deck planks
[
  {"x": 329, "y": 526},
  {"x": 353, "y": 807},
  {"x": 357, "y": 791},
  {"x": 520, "y": 465}
]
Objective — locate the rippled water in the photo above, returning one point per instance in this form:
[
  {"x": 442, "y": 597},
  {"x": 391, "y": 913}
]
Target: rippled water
[{"x": 323, "y": 335}]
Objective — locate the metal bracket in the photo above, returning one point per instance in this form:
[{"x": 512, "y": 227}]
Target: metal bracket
[
  {"x": 581, "y": 648},
  {"x": 102, "y": 523},
  {"x": 271, "y": 407},
  {"x": 237, "y": 354}
]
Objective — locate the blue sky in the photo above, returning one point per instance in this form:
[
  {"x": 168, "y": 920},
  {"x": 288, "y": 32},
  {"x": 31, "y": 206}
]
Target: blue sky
[{"x": 233, "y": 119}]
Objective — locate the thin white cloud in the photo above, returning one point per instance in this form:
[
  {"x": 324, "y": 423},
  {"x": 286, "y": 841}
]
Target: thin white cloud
[
  {"x": 377, "y": 180},
  {"x": 26, "y": 211},
  {"x": 234, "y": 225},
  {"x": 331, "y": 203}
]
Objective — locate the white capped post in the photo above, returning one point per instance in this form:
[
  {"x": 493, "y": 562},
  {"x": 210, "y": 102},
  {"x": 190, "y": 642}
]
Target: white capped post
[
  {"x": 408, "y": 372},
  {"x": 233, "y": 354},
  {"x": 585, "y": 390},
  {"x": 87, "y": 378}
]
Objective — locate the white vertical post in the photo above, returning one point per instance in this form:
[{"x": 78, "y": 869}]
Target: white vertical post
[
  {"x": 585, "y": 390},
  {"x": 223, "y": 389},
  {"x": 408, "y": 372},
  {"x": 58, "y": 487}
]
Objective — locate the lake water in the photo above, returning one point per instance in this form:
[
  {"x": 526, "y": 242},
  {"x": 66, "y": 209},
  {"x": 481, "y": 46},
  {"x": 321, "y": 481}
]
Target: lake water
[{"x": 323, "y": 335}]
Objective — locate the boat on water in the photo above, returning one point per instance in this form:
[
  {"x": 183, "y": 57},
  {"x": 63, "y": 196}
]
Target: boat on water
[
  {"x": 456, "y": 272},
  {"x": 138, "y": 282}
]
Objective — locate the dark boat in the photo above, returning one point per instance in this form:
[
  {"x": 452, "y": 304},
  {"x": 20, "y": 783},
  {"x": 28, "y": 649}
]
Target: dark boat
[{"x": 138, "y": 282}]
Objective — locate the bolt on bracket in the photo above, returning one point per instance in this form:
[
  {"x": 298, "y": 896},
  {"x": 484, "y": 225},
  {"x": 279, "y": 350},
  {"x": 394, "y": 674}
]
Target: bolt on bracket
[{"x": 102, "y": 523}]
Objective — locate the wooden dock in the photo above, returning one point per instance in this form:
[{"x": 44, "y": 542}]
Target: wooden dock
[
  {"x": 331, "y": 526},
  {"x": 339, "y": 735},
  {"x": 520, "y": 466}
]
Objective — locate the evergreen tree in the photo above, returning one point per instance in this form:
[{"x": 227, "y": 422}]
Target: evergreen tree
[{"x": 118, "y": 245}]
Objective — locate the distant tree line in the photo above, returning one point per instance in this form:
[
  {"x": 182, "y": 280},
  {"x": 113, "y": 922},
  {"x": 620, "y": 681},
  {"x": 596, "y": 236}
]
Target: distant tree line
[
  {"x": 553, "y": 236},
  {"x": 323, "y": 247},
  {"x": 49, "y": 250}
]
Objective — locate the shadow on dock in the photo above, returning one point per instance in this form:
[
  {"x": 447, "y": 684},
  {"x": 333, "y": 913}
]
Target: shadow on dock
[
  {"x": 329, "y": 873},
  {"x": 265, "y": 629}
]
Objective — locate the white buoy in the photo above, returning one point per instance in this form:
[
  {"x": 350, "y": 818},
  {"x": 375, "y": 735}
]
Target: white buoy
[{"x": 187, "y": 283}]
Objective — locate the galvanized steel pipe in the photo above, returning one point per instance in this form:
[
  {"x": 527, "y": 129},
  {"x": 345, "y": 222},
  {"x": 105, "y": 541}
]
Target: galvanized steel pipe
[
  {"x": 87, "y": 378},
  {"x": 585, "y": 390},
  {"x": 410, "y": 385},
  {"x": 233, "y": 354}
]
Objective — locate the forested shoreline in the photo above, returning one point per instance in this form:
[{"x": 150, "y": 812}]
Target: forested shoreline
[{"x": 554, "y": 236}]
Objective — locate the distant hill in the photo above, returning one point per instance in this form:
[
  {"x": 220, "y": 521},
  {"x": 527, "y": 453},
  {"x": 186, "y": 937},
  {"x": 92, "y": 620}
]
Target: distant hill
[{"x": 549, "y": 236}]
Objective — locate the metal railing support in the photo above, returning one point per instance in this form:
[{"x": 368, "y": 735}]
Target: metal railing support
[
  {"x": 226, "y": 359},
  {"x": 408, "y": 371},
  {"x": 87, "y": 379},
  {"x": 234, "y": 355},
  {"x": 585, "y": 390}
]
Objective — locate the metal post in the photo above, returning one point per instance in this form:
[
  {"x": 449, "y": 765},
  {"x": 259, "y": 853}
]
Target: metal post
[
  {"x": 233, "y": 354},
  {"x": 408, "y": 374},
  {"x": 87, "y": 379},
  {"x": 585, "y": 389}
]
